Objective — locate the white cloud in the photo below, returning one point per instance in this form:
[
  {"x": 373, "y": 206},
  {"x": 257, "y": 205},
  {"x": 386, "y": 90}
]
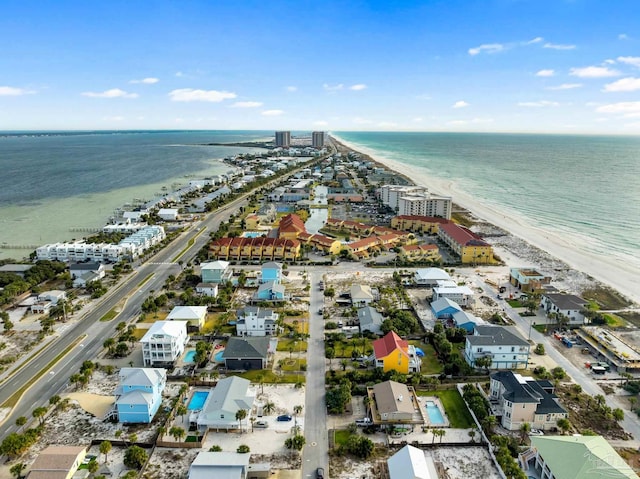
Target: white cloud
[
  {"x": 545, "y": 73},
  {"x": 320, "y": 123},
  {"x": 565, "y": 86},
  {"x": 146, "y": 81},
  {"x": 179, "y": 74},
  {"x": 362, "y": 121},
  {"x": 387, "y": 124},
  {"x": 609, "y": 61},
  {"x": 535, "y": 40},
  {"x": 487, "y": 47},
  {"x": 189, "y": 94},
  {"x": 635, "y": 61},
  {"x": 337, "y": 87},
  {"x": 13, "y": 91},
  {"x": 538, "y": 104},
  {"x": 460, "y": 104},
  {"x": 113, "y": 93},
  {"x": 113, "y": 118},
  {"x": 557, "y": 46},
  {"x": 272, "y": 112},
  {"x": 594, "y": 72},
  {"x": 358, "y": 87},
  {"x": 623, "y": 36},
  {"x": 625, "y": 107},
  {"x": 292, "y": 88},
  {"x": 246, "y": 104},
  {"x": 624, "y": 84}
]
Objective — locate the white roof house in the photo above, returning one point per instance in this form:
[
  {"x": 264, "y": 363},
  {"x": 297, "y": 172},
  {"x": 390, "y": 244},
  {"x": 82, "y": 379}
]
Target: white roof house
[
  {"x": 219, "y": 409},
  {"x": 54, "y": 296},
  {"x": 164, "y": 342},
  {"x": 221, "y": 465},
  {"x": 168, "y": 214},
  {"x": 361, "y": 295},
  {"x": 411, "y": 463},
  {"x": 430, "y": 276},
  {"x": 195, "y": 315}
]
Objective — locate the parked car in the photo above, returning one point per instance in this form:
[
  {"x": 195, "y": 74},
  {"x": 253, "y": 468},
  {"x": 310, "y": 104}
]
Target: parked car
[
  {"x": 319, "y": 473},
  {"x": 365, "y": 421},
  {"x": 284, "y": 418},
  {"x": 261, "y": 424},
  {"x": 536, "y": 432}
]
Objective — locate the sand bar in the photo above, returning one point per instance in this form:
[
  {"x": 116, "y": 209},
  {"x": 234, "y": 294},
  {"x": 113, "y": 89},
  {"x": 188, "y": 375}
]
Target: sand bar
[{"x": 618, "y": 274}]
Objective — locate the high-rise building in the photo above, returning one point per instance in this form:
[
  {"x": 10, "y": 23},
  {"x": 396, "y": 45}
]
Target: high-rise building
[
  {"x": 283, "y": 139},
  {"x": 318, "y": 139}
]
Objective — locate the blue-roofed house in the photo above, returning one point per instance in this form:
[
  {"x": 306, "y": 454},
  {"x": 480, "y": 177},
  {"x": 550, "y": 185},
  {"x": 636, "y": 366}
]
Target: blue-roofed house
[
  {"x": 223, "y": 402},
  {"x": 271, "y": 271},
  {"x": 445, "y": 308},
  {"x": 466, "y": 321},
  {"x": 140, "y": 394},
  {"x": 270, "y": 291}
]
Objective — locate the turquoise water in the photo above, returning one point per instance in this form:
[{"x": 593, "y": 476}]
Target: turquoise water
[
  {"x": 435, "y": 415},
  {"x": 584, "y": 187},
  {"x": 190, "y": 356},
  {"x": 218, "y": 356},
  {"x": 252, "y": 234},
  {"x": 197, "y": 400}
]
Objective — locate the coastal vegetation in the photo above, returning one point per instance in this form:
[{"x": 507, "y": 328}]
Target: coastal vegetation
[{"x": 13, "y": 285}]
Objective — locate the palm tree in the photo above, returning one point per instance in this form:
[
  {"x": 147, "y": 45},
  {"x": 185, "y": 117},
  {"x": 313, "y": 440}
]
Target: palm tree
[
  {"x": 472, "y": 435},
  {"x": 564, "y": 424},
  {"x": 105, "y": 447},
  {"x": 177, "y": 432},
  {"x": 268, "y": 408},
  {"x": 253, "y": 420},
  {"x": 296, "y": 410},
  {"x": 489, "y": 423},
  {"x": 240, "y": 415},
  {"x": 39, "y": 414},
  {"x": 525, "y": 428},
  {"x": 367, "y": 402},
  {"x": 181, "y": 410}
]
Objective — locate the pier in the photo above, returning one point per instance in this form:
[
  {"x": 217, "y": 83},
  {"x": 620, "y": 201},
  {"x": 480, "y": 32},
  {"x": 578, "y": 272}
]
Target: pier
[{"x": 18, "y": 246}]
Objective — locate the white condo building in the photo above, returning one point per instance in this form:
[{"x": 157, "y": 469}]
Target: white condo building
[{"x": 415, "y": 201}]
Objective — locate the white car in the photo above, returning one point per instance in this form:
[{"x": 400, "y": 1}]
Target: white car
[{"x": 536, "y": 432}]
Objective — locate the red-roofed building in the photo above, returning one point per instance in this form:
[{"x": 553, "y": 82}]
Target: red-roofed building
[
  {"x": 291, "y": 226},
  {"x": 470, "y": 247},
  {"x": 393, "y": 353},
  {"x": 418, "y": 224},
  {"x": 254, "y": 249}
]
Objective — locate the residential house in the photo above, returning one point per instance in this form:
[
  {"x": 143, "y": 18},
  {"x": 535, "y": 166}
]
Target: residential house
[
  {"x": 57, "y": 462},
  {"x": 393, "y": 353},
  {"x": 444, "y": 308},
  {"x": 19, "y": 269},
  {"x": 395, "y": 403},
  {"x": 164, "y": 342},
  {"x": 450, "y": 290},
  {"x": 227, "y": 465},
  {"x": 528, "y": 279},
  {"x": 196, "y": 316},
  {"x": 207, "y": 289},
  {"x": 168, "y": 214},
  {"x": 568, "y": 305},
  {"x": 270, "y": 291},
  {"x": 361, "y": 295},
  {"x": 430, "y": 276},
  {"x": 254, "y": 321},
  {"x": 466, "y": 321},
  {"x": 252, "y": 222},
  {"x": 421, "y": 253},
  {"x": 411, "y": 463},
  {"x": 84, "y": 273},
  {"x": 503, "y": 345},
  {"x": 140, "y": 394},
  {"x": 369, "y": 319},
  {"x": 470, "y": 247},
  {"x": 271, "y": 271},
  {"x": 230, "y": 395},
  {"x": 518, "y": 399},
  {"x": 574, "y": 457},
  {"x": 418, "y": 224},
  {"x": 267, "y": 213},
  {"x": 216, "y": 272},
  {"x": 54, "y": 296},
  {"x": 291, "y": 226},
  {"x": 246, "y": 353}
]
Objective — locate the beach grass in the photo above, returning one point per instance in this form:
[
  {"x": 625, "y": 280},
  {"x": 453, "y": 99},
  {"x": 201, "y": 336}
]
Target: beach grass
[
  {"x": 606, "y": 298},
  {"x": 341, "y": 436},
  {"x": 13, "y": 400}
]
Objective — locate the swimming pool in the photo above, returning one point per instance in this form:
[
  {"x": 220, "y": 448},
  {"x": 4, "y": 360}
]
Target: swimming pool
[
  {"x": 218, "y": 357},
  {"x": 435, "y": 415},
  {"x": 197, "y": 400},
  {"x": 252, "y": 234},
  {"x": 190, "y": 357}
]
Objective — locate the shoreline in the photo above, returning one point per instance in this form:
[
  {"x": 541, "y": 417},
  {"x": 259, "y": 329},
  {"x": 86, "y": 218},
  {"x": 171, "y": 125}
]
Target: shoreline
[{"x": 609, "y": 273}]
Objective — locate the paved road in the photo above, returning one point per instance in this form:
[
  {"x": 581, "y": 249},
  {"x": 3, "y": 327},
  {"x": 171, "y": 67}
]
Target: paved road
[
  {"x": 316, "y": 451},
  {"x": 631, "y": 424}
]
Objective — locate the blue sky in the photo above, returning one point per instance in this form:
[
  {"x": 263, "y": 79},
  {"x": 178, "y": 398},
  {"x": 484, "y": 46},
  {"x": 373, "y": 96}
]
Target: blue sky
[{"x": 503, "y": 65}]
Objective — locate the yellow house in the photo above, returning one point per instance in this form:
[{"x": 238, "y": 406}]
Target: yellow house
[
  {"x": 470, "y": 247},
  {"x": 419, "y": 224},
  {"x": 423, "y": 252},
  {"x": 395, "y": 354},
  {"x": 252, "y": 222},
  {"x": 58, "y": 461}
]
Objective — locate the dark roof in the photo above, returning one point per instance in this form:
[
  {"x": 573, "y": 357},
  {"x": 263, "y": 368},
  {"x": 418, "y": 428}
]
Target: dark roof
[
  {"x": 246, "y": 348},
  {"x": 529, "y": 391},
  {"x": 566, "y": 301},
  {"x": 495, "y": 336},
  {"x": 85, "y": 266}
]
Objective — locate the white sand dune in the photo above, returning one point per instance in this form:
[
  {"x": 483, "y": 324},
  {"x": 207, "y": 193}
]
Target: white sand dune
[
  {"x": 95, "y": 404},
  {"x": 618, "y": 274}
]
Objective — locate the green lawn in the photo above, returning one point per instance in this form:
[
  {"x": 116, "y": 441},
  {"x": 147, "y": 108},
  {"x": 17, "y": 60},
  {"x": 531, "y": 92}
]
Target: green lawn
[
  {"x": 285, "y": 344},
  {"x": 430, "y": 363},
  {"x": 344, "y": 349},
  {"x": 269, "y": 377},
  {"x": 139, "y": 333},
  {"x": 514, "y": 303},
  {"x": 341, "y": 436},
  {"x": 293, "y": 364},
  {"x": 457, "y": 412}
]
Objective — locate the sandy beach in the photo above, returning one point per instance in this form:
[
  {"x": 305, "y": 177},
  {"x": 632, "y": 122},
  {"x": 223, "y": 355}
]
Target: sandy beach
[{"x": 618, "y": 275}]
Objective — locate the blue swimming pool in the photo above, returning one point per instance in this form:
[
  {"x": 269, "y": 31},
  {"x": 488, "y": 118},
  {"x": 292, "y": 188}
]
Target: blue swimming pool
[
  {"x": 252, "y": 234},
  {"x": 218, "y": 357},
  {"x": 197, "y": 400},
  {"x": 435, "y": 415},
  {"x": 190, "y": 356}
]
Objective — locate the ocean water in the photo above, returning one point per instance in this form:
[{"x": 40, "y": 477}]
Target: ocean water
[
  {"x": 53, "y": 182},
  {"x": 585, "y": 187}
]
